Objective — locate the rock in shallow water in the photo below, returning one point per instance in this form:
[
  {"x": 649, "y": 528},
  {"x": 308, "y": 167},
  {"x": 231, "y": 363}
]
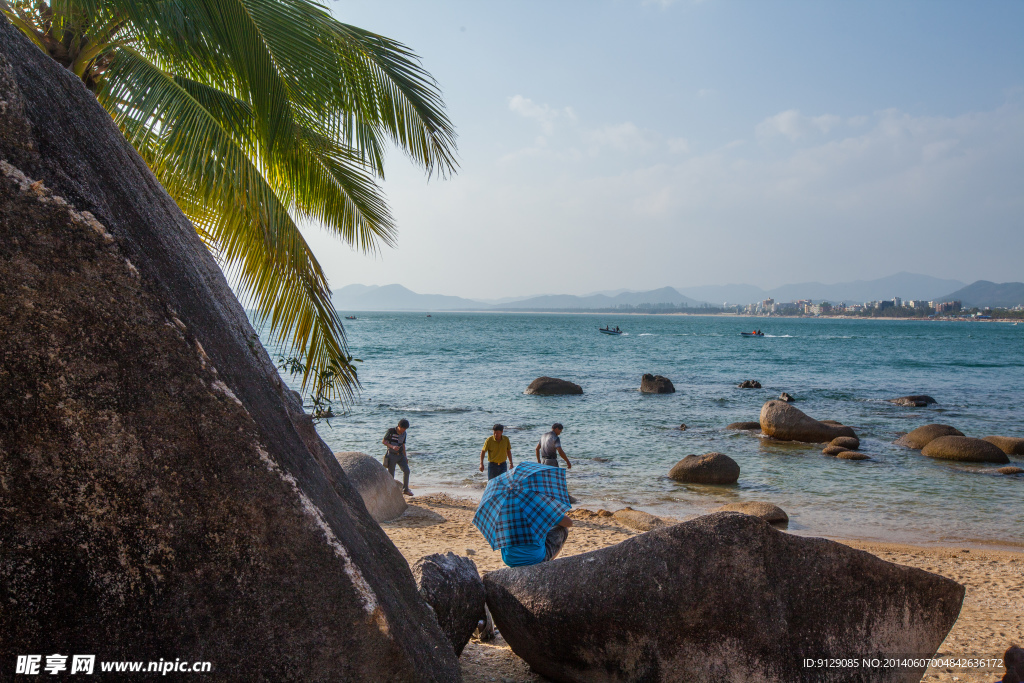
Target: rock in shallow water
[
  {"x": 915, "y": 401},
  {"x": 832, "y": 449},
  {"x": 724, "y": 597},
  {"x": 850, "y": 443},
  {"x": 852, "y": 455},
  {"x": 656, "y": 384},
  {"x": 1010, "y": 445},
  {"x": 451, "y": 585},
  {"x": 782, "y": 421},
  {"x": 749, "y": 384},
  {"x": 552, "y": 386},
  {"x": 964, "y": 449},
  {"x": 710, "y": 468},
  {"x": 920, "y": 437},
  {"x": 1010, "y": 470},
  {"x": 744, "y": 426}
]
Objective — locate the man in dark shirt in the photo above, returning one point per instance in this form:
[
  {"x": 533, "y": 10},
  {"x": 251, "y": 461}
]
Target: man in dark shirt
[{"x": 394, "y": 439}]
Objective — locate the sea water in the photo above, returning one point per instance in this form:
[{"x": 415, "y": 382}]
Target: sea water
[{"x": 453, "y": 375}]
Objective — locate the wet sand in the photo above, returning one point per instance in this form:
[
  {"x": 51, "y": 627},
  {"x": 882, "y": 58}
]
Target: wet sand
[{"x": 992, "y": 616}]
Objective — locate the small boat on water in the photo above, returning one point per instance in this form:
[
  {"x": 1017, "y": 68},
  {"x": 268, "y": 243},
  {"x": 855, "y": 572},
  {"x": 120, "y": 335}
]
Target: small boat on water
[
  {"x": 350, "y": 317},
  {"x": 752, "y": 334},
  {"x": 609, "y": 330}
]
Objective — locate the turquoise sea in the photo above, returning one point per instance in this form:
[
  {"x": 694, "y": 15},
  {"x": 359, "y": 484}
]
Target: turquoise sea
[{"x": 455, "y": 374}]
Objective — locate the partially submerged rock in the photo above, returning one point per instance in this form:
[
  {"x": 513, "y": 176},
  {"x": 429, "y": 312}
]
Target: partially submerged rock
[
  {"x": 850, "y": 443},
  {"x": 832, "y": 449},
  {"x": 451, "y": 585},
  {"x": 164, "y": 494},
  {"x": 1011, "y": 445},
  {"x": 749, "y": 384},
  {"x": 724, "y": 597},
  {"x": 769, "y": 512},
  {"x": 920, "y": 437},
  {"x": 915, "y": 401},
  {"x": 381, "y": 493},
  {"x": 1010, "y": 470},
  {"x": 638, "y": 519},
  {"x": 744, "y": 426},
  {"x": 656, "y": 384},
  {"x": 552, "y": 386},
  {"x": 852, "y": 455},
  {"x": 786, "y": 397},
  {"x": 710, "y": 468},
  {"x": 782, "y": 421},
  {"x": 964, "y": 449}
]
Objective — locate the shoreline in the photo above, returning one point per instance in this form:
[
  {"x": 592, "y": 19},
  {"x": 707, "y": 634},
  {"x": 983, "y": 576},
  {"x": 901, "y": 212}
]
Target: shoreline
[
  {"x": 992, "y": 616},
  {"x": 425, "y": 311}
]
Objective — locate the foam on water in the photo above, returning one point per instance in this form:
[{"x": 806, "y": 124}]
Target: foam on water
[{"x": 454, "y": 375}]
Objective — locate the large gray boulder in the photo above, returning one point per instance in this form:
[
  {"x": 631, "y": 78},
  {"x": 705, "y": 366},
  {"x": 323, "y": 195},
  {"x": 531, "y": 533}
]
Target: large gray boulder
[
  {"x": 164, "y": 495},
  {"x": 724, "y": 597},
  {"x": 451, "y": 585},
  {"x": 964, "y": 449},
  {"x": 920, "y": 437},
  {"x": 381, "y": 492},
  {"x": 710, "y": 468},
  {"x": 782, "y": 421},
  {"x": 656, "y": 384},
  {"x": 552, "y": 386}
]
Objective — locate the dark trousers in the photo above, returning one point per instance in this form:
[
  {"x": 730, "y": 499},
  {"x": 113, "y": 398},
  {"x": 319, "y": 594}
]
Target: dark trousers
[
  {"x": 496, "y": 468},
  {"x": 390, "y": 460},
  {"x": 554, "y": 542}
]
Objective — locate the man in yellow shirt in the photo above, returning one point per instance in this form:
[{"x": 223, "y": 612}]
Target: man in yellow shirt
[{"x": 499, "y": 453}]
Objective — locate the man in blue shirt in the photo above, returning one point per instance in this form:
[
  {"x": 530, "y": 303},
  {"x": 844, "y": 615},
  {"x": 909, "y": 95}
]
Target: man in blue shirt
[{"x": 543, "y": 551}]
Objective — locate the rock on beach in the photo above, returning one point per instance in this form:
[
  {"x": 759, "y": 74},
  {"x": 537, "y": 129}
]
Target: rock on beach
[
  {"x": 710, "y": 468},
  {"x": 724, "y": 597},
  {"x": 638, "y": 519},
  {"x": 656, "y": 384},
  {"x": 782, "y": 421},
  {"x": 964, "y": 449},
  {"x": 451, "y": 585},
  {"x": 920, "y": 437},
  {"x": 552, "y": 386},
  {"x": 381, "y": 493},
  {"x": 770, "y": 513}
]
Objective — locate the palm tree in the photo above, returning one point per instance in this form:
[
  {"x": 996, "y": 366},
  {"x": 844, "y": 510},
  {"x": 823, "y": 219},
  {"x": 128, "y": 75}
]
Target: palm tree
[{"x": 257, "y": 115}]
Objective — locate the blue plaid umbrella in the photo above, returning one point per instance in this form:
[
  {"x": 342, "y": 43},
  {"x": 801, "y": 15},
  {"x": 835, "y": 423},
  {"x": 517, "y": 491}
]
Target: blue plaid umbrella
[{"x": 520, "y": 507}]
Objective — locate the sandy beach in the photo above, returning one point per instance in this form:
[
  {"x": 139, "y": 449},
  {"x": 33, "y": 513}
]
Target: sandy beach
[{"x": 992, "y": 616}]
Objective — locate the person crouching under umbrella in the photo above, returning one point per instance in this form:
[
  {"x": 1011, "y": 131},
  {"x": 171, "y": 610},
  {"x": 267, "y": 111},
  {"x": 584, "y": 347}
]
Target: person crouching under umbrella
[{"x": 543, "y": 551}]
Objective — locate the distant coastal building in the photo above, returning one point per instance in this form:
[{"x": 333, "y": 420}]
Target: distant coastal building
[{"x": 948, "y": 307}]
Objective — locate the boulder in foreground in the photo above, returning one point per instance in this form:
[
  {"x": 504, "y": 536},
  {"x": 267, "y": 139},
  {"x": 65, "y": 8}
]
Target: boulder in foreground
[
  {"x": 770, "y": 513},
  {"x": 920, "y": 437},
  {"x": 710, "y": 468},
  {"x": 782, "y": 421},
  {"x": 451, "y": 585},
  {"x": 915, "y": 401},
  {"x": 1011, "y": 445},
  {"x": 656, "y": 384},
  {"x": 164, "y": 494},
  {"x": 724, "y": 597},
  {"x": 552, "y": 386},
  {"x": 381, "y": 494},
  {"x": 964, "y": 449}
]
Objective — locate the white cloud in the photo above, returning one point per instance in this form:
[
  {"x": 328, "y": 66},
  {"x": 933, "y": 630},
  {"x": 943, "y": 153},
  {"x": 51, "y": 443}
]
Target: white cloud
[
  {"x": 679, "y": 145},
  {"x": 794, "y": 125},
  {"x": 622, "y": 137},
  {"x": 544, "y": 114}
]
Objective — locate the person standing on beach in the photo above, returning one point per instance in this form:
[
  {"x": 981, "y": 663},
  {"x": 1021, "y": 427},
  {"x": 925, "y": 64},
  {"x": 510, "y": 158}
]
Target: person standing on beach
[
  {"x": 550, "y": 447},
  {"x": 499, "y": 453},
  {"x": 394, "y": 439}
]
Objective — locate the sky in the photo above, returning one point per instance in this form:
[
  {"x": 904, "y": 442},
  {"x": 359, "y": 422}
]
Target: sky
[{"x": 637, "y": 144}]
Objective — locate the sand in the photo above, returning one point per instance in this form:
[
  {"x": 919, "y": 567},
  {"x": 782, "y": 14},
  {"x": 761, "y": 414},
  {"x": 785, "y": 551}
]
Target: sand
[{"x": 992, "y": 616}]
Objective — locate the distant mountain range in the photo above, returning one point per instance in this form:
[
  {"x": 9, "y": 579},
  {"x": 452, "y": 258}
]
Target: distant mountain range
[
  {"x": 984, "y": 293},
  {"x": 906, "y": 285}
]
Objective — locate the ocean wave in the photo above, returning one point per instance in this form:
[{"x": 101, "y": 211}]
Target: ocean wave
[{"x": 425, "y": 409}]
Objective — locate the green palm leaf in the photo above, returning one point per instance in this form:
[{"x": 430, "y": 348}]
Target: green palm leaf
[{"x": 257, "y": 115}]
